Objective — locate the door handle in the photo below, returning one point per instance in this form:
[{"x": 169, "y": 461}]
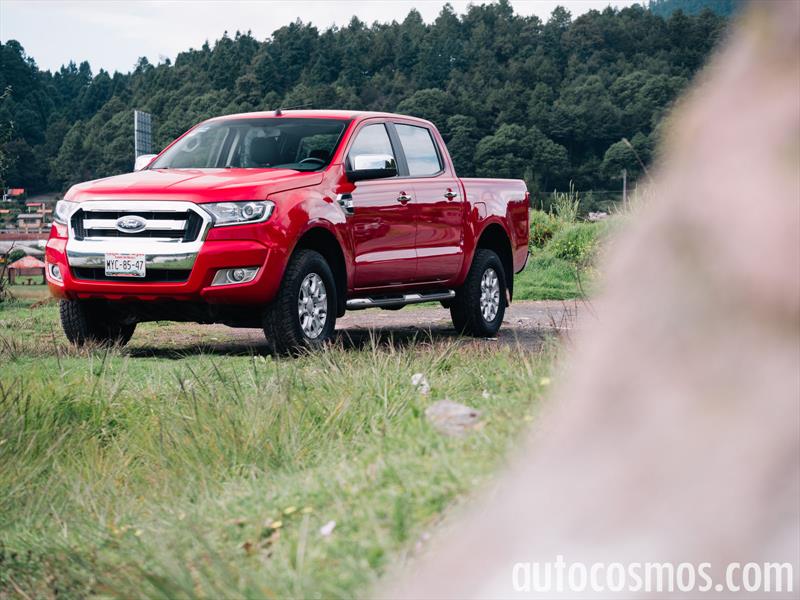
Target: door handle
[
  {"x": 403, "y": 199},
  {"x": 450, "y": 195}
]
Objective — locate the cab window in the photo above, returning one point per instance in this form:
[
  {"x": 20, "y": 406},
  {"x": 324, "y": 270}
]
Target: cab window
[
  {"x": 420, "y": 150},
  {"x": 372, "y": 140}
]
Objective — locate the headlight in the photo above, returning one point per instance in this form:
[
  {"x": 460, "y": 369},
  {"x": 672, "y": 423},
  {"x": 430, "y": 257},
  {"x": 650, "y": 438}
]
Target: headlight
[
  {"x": 63, "y": 211},
  {"x": 235, "y": 213}
]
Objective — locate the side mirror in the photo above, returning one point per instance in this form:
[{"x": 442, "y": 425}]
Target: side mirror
[
  {"x": 371, "y": 166},
  {"x": 142, "y": 161}
]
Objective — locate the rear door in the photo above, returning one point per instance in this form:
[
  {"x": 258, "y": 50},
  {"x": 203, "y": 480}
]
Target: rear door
[
  {"x": 383, "y": 224},
  {"x": 438, "y": 202}
]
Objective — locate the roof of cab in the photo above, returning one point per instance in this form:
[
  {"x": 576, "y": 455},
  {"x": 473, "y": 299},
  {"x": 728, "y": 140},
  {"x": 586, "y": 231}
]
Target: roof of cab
[{"x": 315, "y": 114}]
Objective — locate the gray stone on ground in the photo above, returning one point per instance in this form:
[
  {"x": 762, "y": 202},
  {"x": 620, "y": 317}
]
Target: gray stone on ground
[{"x": 452, "y": 418}]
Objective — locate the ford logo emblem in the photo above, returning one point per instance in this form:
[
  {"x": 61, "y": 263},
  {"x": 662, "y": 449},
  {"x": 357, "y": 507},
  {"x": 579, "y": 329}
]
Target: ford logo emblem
[{"x": 131, "y": 224}]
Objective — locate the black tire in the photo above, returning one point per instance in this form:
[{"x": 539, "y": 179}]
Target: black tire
[
  {"x": 282, "y": 323},
  {"x": 465, "y": 310},
  {"x": 91, "y": 322}
]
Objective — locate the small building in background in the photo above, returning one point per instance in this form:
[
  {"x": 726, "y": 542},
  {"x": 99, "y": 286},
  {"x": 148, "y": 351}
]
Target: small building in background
[
  {"x": 12, "y": 194},
  {"x": 30, "y": 222},
  {"x": 25, "y": 270}
]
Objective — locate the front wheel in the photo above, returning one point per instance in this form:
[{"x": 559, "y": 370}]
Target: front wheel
[
  {"x": 92, "y": 322},
  {"x": 480, "y": 304},
  {"x": 303, "y": 314}
]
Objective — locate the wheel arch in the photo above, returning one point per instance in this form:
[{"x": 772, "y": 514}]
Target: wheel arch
[
  {"x": 494, "y": 237},
  {"x": 322, "y": 240}
]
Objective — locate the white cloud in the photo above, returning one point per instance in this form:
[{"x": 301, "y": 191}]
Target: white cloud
[{"x": 114, "y": 34}]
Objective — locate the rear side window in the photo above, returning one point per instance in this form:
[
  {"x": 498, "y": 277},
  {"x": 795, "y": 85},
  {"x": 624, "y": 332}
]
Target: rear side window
[
  {"x": 419, "y": 149},
  {"x": 371, "y": 140}
]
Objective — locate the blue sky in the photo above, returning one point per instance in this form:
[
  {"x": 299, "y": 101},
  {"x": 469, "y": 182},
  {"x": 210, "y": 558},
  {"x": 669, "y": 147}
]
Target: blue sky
[{"x": 114, "y": 34}]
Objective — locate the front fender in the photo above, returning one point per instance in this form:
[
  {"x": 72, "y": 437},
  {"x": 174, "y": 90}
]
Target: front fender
[{"x": 309, "y": 210}]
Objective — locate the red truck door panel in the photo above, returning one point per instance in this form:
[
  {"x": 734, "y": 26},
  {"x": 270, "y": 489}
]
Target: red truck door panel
[
  {"x": 384, "y": 232},
  {"x": 383, "y": 224},
  {"x": 439, "y": 227},
  {"x": 438, "y": 204}
]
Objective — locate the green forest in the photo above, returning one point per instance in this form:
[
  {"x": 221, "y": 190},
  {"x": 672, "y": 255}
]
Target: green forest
[
  {"x": 726, "y": 8},
  {"x": 566, "y": 99}
]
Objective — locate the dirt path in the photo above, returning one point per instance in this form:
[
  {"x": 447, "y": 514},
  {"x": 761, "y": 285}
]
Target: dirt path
[{"x": 526, "y": 322}]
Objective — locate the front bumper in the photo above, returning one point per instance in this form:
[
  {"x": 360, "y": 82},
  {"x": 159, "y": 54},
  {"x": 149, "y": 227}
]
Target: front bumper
[
  {"x": 90, "y": 254},
  {"x": 218, "y": 248}
]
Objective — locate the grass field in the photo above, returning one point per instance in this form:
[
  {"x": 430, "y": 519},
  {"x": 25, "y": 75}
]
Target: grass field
[
  {"x": 547, "y": 278},
  {"x": 177, "y": 467},
  {"x": 150, "y": 472}
]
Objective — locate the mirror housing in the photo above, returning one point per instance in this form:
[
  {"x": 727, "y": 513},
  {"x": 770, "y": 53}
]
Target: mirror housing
[
  {"x": 143, "y": 161},
  {"x": 371, "y": 166}
]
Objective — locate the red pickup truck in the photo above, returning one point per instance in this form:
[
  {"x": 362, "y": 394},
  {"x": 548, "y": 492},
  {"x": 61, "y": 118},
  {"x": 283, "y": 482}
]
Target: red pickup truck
[{"x": 285, "y": 220}]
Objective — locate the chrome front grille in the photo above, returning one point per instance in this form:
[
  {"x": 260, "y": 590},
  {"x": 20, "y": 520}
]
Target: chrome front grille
[
  {"x": 168, "y": 225},
  {"x": 170, "y": 235}
]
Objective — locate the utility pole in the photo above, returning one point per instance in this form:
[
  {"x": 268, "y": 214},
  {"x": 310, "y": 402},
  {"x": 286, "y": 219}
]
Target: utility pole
[{"x": 625, "y": 189}]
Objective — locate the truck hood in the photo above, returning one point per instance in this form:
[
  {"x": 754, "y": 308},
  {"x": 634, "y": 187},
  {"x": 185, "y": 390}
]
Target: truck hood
[{"x": 193, "y": 185}]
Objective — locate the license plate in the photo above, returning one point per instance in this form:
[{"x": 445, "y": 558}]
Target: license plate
[{"x": 124, "y": 265}]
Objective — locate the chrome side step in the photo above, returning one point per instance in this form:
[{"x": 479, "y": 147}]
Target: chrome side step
[{"x": 397, "y": 301}]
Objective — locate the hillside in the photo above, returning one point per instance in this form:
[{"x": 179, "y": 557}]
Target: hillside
[{"x": 513, "y": 95}]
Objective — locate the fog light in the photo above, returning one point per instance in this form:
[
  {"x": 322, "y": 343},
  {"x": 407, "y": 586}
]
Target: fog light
[
  {"x": 55, "y": 272},
  {"x": 237, "y": 275}
]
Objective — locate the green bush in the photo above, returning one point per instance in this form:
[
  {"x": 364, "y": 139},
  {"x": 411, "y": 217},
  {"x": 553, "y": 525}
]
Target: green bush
[
  {"x": 575, "y": 243},
  {"x": 543, "y": 227}
]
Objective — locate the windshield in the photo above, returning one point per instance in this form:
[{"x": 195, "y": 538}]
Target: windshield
[{"x": 273, "y": 143}]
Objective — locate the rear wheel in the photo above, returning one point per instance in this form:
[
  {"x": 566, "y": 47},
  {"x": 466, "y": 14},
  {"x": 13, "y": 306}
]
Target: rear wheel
[
  {"x": 303, "y": 314},
  {"x": 92, "y": 322},
  {"x": 480, "y": 304}
]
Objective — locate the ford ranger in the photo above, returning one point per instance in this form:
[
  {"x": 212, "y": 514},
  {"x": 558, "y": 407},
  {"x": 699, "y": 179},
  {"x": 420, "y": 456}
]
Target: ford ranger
[{"x": 284, "y": 220}]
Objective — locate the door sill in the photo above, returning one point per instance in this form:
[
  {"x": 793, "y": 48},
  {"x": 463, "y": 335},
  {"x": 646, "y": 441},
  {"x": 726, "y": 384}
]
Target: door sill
[{"x": 398, "y": 300}]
